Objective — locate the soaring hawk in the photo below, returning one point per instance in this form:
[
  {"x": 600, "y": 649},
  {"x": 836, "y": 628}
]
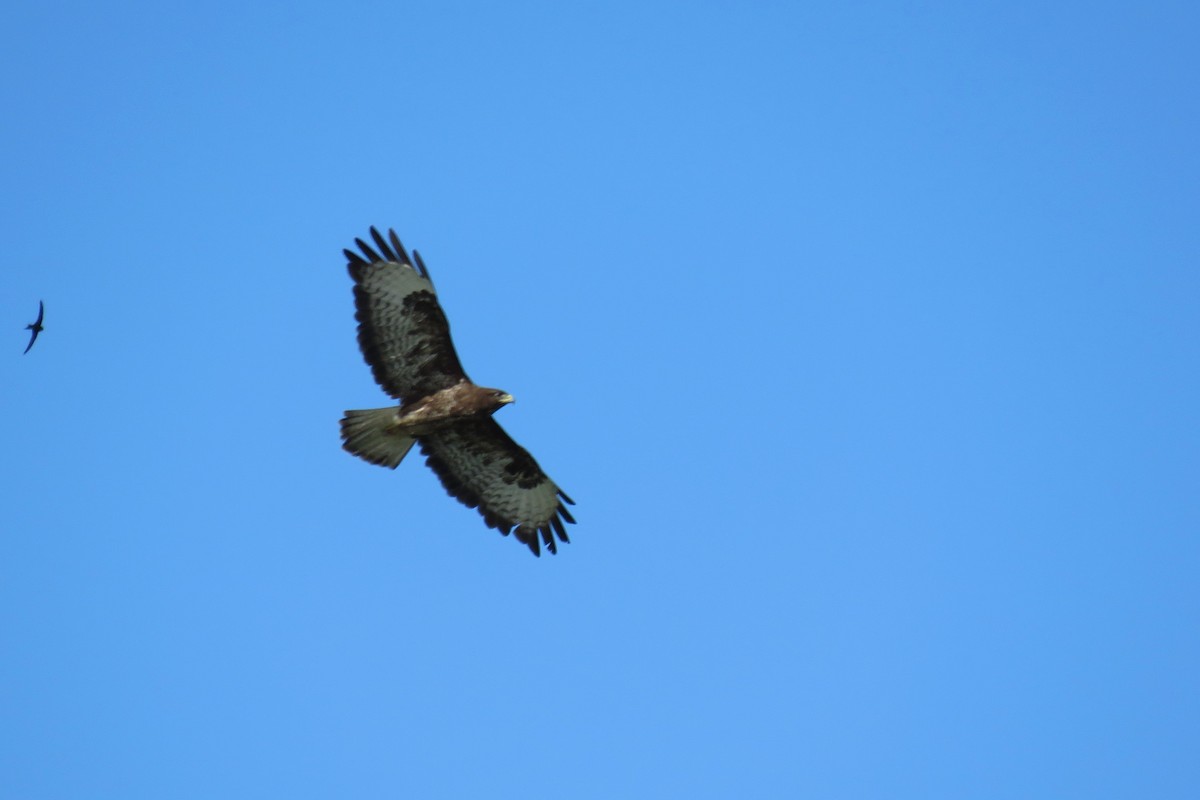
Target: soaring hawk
[{"x": 405, "y": 338}]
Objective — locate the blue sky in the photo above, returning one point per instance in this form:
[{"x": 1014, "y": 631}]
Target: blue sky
[{"x": 865, "y": 336}]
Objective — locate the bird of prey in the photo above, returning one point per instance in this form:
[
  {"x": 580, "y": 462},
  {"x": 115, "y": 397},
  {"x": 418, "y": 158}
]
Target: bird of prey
[
  {"x": 36, "y": 327},
  {"x": 405, "y": 339}
]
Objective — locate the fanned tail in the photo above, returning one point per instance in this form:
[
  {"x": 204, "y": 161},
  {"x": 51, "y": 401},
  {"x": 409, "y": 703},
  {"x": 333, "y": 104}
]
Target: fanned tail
[{"x": 365, "y": 434}]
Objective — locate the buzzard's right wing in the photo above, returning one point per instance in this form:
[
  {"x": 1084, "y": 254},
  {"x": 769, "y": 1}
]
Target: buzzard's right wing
[{"x": 402, "y": 331}]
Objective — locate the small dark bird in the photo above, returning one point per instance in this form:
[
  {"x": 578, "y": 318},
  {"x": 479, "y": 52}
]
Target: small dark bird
[{"x": 37, "y": 326}]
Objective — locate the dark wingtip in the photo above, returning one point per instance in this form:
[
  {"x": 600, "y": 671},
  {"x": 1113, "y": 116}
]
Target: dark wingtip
[
  {"x": 355, "y": 265},
  {"x": 383, "y": 246},
  {"x": 391, "y": 247},
  {"x": 398, "y": 245},
  {"x": 560, "y": 529},
  {"x": 548, "y": 539},
  {"x": 421, "y": 266},
  {"x": 531, "y": 541},
  {"x": 367, "y": 251}
]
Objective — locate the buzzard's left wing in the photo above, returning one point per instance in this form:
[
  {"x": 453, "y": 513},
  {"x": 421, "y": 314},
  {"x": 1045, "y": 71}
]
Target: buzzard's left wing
[
  {"x": 402, "y": 331},
  {"x": 481, "y": 466}
]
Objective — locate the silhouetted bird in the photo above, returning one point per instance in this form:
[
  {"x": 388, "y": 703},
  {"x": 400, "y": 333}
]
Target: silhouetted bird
[{"x": 37, "y": 326}]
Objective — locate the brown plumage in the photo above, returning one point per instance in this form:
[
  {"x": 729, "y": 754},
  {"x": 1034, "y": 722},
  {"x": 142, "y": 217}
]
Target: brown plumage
[{"x": 405, "y": 339}]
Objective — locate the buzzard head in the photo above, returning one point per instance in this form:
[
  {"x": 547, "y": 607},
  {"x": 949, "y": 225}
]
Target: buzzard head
[{"x": 482, "y": 400}]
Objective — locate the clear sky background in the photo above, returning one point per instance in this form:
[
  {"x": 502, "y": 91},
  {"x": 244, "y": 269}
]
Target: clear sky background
[{"x": 864, "y": 334}]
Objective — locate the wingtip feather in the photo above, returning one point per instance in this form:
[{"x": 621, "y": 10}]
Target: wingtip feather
[
  {"x": 367, "y": 251},
  {"x": 398, "y": 245},
  {"x": 383, "y": 245},
  {"x": 421, "y": 266}
]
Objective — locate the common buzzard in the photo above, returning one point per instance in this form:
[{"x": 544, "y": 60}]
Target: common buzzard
[{"x": 405, "y": 338}]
